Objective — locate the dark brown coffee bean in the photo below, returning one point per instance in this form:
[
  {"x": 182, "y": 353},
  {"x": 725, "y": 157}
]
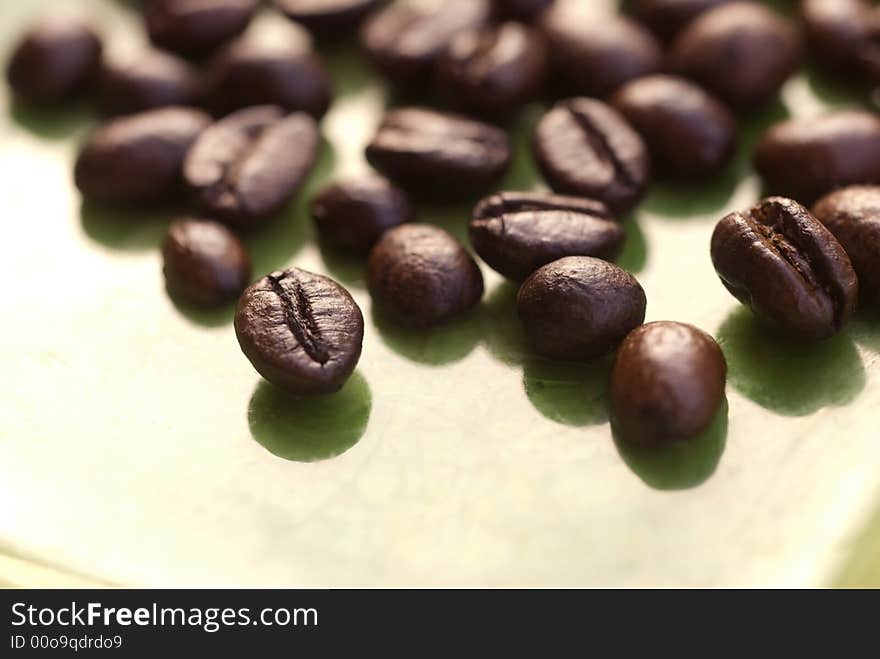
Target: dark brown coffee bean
[
  {"x": 667, "y": 384},
  {"x": 246, "y": 167},
  {"x": 302, "y": 332},
  {"x": 783, "y": 263},
  {"x": 328, "y": 17},
  {"x": 853, "y": 216},
  {"x": 55, "y": 60},
  {"x": 595, "y": 56},
  {"x": 523, "y": 10},
  {"x": 205, "y": 263},
  {"x": 420, "y": 276},
  {"x": 404, "y": 40},
  {"x": 836, "y": 30},
  {"x": 688, "y": 132},
  {"x": 149, "y": 80},
  {"x": 868, "y": 55},
  {"x": 353, "y": 214},
  {"x": 138, "y": 158},
  {"x": 805, "y": 158},
  {"x": 496, "y": 70},
  {"x": 250, "y": 72},
  {"x": 518, "y": 232},
  {"x": 196, "y": 28},
  {"x": 579, "y": 307},
  {"x": 666, "y": 18},
  {"x": 439, "y": 155},
  {"x": 586, "y": 148},
  {"x": 741, "y": 51}
]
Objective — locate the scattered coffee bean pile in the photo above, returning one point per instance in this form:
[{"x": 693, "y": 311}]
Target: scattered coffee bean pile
[{"x": 226, "y": 123}]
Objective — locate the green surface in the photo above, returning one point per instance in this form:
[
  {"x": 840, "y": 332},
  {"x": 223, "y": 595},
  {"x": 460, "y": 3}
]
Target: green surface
[{"x": 138, "y": 446}]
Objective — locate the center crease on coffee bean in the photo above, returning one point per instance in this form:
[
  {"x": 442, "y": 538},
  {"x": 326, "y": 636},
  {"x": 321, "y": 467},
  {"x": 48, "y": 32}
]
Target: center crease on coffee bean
[
  {"x": 602, "y": 148},
  {"x": 299, "y": 317}
]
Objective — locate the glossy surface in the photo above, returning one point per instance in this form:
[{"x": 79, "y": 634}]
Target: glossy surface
[
  {"x": 667, "y": 384},
  {"x": 806, "y": 158},
  {"x": 783, "y": 263},
  {"x": 586, "y": 148},
  {"x": 516, "y": 233},
  {"x": 246, "y": 167},
  {"x": 302, "y": 331},
  {"x": 204, "y": 263},
  {"x": 853, "y": 216},
  {"x": 437, "y": 154},
  {"x": 455, "y": 456},
  {"x": 147, "y": 80},
  {"x": 688, "y": 132},
  {"x": 420, "y": 276},
  {"x": 579, "y": 307},
  {"x": 740, "y": 51},
  {"x": 196, "y": 28}
]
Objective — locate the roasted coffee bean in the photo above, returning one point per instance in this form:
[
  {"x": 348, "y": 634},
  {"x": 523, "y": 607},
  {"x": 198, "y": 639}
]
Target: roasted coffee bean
[
  {"x": 150, "y": 80},
  {"x": 853, "y": 216},
  {"x": 353, "y": 214},
  {"x": 688, "y": 132},
  {"x": 666, "y": 18},
  {"x": 667, "y": 384},
  {"x": 518, "y": 232},
  {"x": 55, "y": 60},
  {"x": 328, "y": 17},
  {"x": 805, "y": 158},
  {"x": 523, "y": 10},
  {"x": 580, "y": 307},
  {"x": 836, "y": 30},
  {"x": 586, "y": 148},
  {"x": 496, "y": 70},
  {"x": 593, "y": 57},
  {"x": 301, "y": 331},
  {"x": 195, "y": 28},
  {"x": 246, "y": 167},
  {"x": 420, "y": 276},
  {"x": 205, "y": 263},
  {"x": 404, "y": 40},
  {"x": 250, "y": 72},
  {"x": 138, "y": 158},
  {"x": 740, "y": 51},
  {"x": 783, "y": 263},
  {"x": 439, "y": 155}
]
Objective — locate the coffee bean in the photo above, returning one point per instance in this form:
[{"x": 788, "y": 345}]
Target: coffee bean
[
  {"x": 496, "y": 70},
  {"x": 301, "y": 331},
  {"x": 353, "y": 214},
  {"x": 579, "y": 307},
  {"x": 595, "y": 56},
  {"x": 518, "y": 232},
  {"x": 421, "y": 276},
  {"x": 667, "y": 384},
  {"x": 783, "y": 263},
  {"x": 586, "y": 148},
  {"x": 328, "y": 17},
  {"x": 666, "y": 18},
  {"x": 868, "y": 55},
  {"x": 688, "y": 132},
  {"x": 205, "y": 263},
  {"x": 246, "y": 167},
  {"x": 404, "y": 41},
  {"x": 55, "y": 60},
  {"x": 836, "y": 30},
  {"x": 439, "y": 155},
  {"x": 152, "y": 79},
  {"x": 523, "y": 10},
  {"x": 742, "y": 52},
  {"x": 137, "y": 158},
  {"x": 195, "y": 28},
  {"x": 251, "y": 72},
  {"x": 853, "y": 216},
  {"x": 805, "y": 158}
]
